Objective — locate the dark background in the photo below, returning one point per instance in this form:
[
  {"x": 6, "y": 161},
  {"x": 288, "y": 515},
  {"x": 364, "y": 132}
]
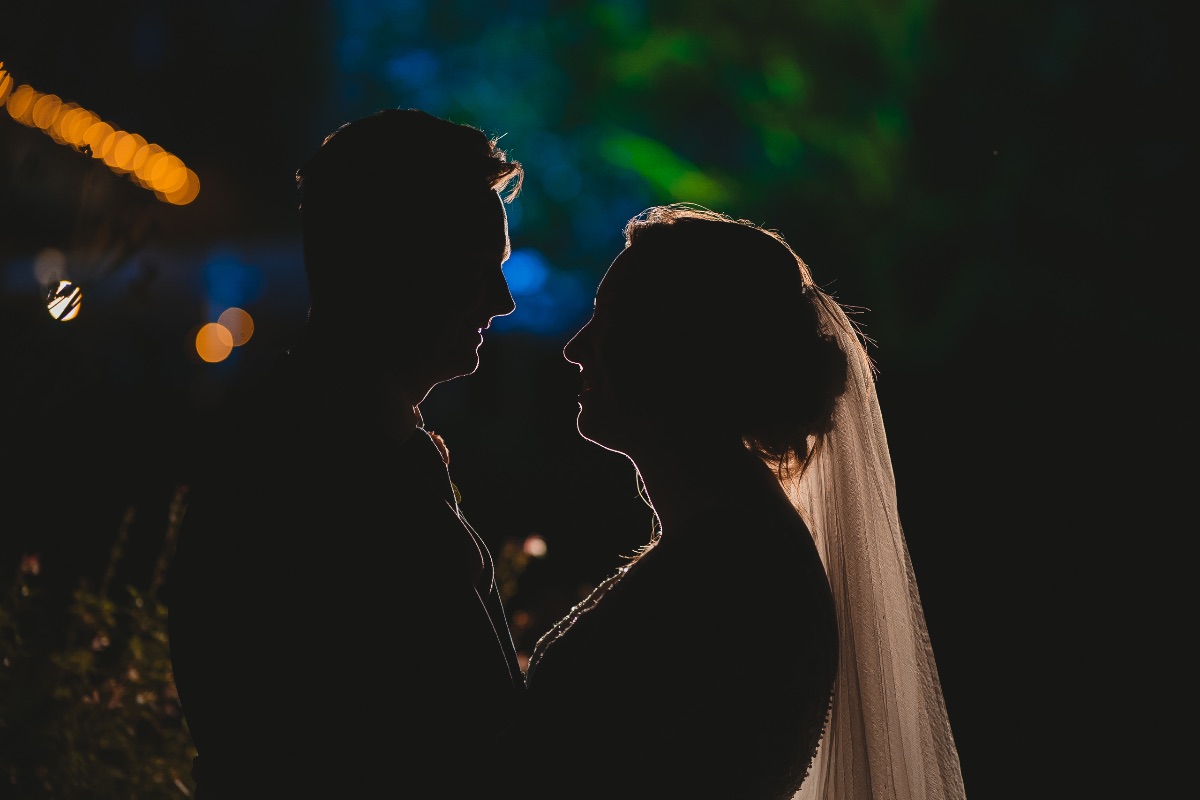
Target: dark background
[{"x": 991, "y": 180}]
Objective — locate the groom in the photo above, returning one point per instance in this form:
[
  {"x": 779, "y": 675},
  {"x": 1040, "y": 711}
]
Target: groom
[{"x": 335, "y": 626}]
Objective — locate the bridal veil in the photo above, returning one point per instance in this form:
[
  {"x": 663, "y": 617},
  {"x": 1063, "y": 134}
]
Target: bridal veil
[{"x": 888, "y": 736}]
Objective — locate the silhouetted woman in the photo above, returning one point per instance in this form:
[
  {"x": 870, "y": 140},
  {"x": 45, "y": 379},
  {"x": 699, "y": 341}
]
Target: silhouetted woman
[{"x": 770, "y": 634}]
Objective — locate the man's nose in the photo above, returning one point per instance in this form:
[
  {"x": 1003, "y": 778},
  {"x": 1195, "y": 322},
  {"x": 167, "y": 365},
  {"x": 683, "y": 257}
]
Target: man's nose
[{"x": 500, "y": 299}]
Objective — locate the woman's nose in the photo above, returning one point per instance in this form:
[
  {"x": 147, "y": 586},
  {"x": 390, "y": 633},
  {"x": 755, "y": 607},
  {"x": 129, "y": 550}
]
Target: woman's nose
[{"x": 573, "y": 348}]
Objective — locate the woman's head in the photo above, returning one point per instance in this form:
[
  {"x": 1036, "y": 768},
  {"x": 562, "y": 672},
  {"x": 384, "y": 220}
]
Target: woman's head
[{"x": 708, "y": 326}]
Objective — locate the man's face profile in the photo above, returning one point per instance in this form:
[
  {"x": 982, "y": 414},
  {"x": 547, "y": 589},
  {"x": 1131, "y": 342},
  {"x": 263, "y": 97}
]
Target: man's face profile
[{"x": 447, "y": 285}]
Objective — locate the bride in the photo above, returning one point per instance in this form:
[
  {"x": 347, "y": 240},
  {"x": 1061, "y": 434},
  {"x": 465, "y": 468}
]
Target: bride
[{"x": 768, "y": 642}]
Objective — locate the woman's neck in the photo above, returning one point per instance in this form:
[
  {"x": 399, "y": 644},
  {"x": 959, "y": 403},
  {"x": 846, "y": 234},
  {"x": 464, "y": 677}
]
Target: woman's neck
[{"x": 683, "y": 481}]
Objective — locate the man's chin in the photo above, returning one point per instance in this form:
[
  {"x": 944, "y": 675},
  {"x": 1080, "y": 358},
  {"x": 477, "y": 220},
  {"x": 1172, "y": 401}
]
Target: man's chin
[{"x": 461, "y": 370}]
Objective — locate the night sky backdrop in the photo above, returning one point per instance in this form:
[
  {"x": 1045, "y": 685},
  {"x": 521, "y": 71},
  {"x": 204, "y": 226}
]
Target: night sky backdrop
[{"x": 990, "y": 180}]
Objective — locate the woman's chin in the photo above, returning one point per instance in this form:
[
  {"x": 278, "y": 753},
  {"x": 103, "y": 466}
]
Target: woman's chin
[
  {"x": 596, "y": 433},
  {"x": 585, "y": 427}
]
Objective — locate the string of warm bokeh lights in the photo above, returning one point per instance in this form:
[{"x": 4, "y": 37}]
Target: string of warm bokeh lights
[{"x": 147, "y": 164}]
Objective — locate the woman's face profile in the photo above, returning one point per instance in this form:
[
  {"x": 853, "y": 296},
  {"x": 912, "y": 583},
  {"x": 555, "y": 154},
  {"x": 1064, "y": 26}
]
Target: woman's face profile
[{"x": 628, "y": 353}]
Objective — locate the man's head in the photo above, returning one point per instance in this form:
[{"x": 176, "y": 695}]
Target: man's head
[{"x": 404, "y": 229}]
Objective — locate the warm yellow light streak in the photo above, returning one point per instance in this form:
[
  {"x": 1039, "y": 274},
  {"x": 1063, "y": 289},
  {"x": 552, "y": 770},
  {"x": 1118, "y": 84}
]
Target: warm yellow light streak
[
  {"x": 173, "y": 179},
  {"x": 147, "y": 164},
  {"x": 124, "y": 151},
  {"x": 45, "y": 110},
  {"x": 186, "y": 193},
  {"x": 81, "y": 119},
  {"x": 95, "y": 135},
  {"x": 104, "y": 153},
  {"x": 163, "y": 169},
  {"x": 139, "y": 154},
  {"x": 21, "y": 101},
  {"x": 62, "y": 121}
]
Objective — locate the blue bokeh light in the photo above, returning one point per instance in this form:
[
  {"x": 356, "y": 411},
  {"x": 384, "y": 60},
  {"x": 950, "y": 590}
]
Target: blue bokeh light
[
  {"x": 526, "y": 271},
  {"x": 414, "y": 68},
  {"x": 229, "y": 281},
  {"x": 550, "y": 302}
]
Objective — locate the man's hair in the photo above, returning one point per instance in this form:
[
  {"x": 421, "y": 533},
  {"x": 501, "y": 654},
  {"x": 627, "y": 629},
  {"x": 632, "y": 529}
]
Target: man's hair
[{"x": 398, "y": 169}]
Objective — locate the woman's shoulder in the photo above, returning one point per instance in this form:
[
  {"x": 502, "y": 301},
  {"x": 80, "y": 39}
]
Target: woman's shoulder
[
  {"x": 745, "y": 566},
  {"x": 755, "y": 535}
]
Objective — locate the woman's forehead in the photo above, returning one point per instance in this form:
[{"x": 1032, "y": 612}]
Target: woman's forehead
[
  {"x": 641, "y": 274},
  {"x": 629, "y": 273}
]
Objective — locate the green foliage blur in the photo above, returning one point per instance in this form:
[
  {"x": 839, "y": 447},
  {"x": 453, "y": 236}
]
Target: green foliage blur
[
  {"x": 89, "y": 711},
  {"x": 800, "y": 116},
  {"x": 88, "y": 707}
]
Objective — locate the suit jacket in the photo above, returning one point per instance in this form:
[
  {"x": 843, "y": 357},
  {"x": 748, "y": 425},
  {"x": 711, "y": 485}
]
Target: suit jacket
[{"x": 334, "y": 622}]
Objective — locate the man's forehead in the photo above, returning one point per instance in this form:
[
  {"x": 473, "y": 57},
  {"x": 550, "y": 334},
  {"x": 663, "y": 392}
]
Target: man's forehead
[{"x": 471, "y": 222}]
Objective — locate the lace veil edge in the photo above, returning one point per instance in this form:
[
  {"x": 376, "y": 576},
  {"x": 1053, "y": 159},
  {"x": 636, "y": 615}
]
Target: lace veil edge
[{"x": 888, "y": 736}]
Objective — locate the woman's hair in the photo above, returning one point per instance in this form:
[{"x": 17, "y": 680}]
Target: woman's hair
[{"x": 779, "y": 364}]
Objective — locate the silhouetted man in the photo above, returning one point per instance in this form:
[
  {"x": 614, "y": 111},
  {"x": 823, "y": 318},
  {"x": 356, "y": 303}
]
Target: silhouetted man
[{"x": 335, "y": 624}]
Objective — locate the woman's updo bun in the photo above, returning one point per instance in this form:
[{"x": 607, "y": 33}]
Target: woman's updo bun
[{"x": 765, "y": 345}]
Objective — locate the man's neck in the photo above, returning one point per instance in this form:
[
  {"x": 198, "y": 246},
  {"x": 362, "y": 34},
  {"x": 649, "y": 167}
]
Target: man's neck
[
  {"x": 384, "y": 398},
  {"x": 401, "y": 415}
]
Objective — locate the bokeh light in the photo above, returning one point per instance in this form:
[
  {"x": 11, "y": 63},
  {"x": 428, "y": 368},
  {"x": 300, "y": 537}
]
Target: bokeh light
[
  {"x": 49, "y": 266},
  {"x": 214, "y": 342},
  {"x": 6, "y": 83},
  {"x": 229, "y": 280},
  {"x": 535, "y": 546},
  {"x": 64, "y": 301},
  {"x": 239, "y": 323},
  {"x": 185, "y": 193}
]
